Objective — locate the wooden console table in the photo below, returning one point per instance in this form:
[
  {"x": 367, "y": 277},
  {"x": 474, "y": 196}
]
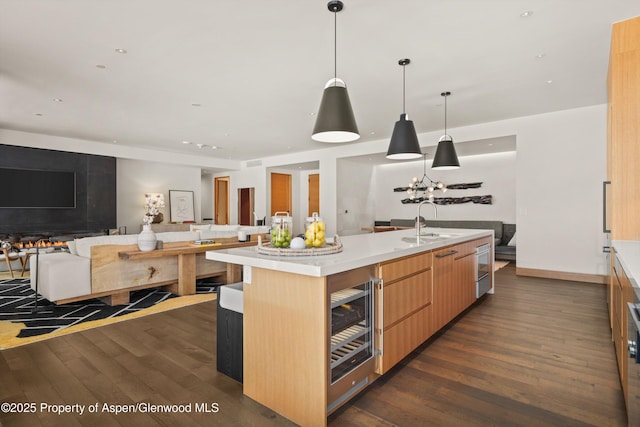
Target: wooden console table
[{"x": 187, "y": 263}]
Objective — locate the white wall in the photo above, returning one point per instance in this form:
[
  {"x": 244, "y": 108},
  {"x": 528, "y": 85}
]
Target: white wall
[
  {"x": 497, "y": 172},
  {"x": 356, "y": 197},
  {"x": 136, "y": 177},
  {"x": 207, "y": 196},
  {"x": 246, "y": 178}
]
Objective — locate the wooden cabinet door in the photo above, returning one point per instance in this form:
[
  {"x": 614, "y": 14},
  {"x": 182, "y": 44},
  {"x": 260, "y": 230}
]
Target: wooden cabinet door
[
  {"x": 444, "y": 293},
  {"x": 403, "y": 318}
]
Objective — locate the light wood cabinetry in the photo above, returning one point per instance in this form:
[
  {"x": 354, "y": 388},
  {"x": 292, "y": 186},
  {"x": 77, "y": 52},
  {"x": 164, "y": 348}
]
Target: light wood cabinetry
[
  {"x": 289, "y": 343},
  {"x": 297, "y": 358},
  {"x": 454, "y": 281},
  {"x": 623, "y": 132},
  {"x": 623, "y": 154},
  {"x": 404, "y": 308},
  {"x": 621, "y": 293}
]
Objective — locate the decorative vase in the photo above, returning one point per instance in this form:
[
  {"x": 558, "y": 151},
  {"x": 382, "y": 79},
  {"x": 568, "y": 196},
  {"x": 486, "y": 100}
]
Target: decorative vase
[{"x": 147, "y": 239}]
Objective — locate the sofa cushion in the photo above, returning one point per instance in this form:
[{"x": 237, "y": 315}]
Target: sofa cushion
[
  {"x": 178, "y": 236},
  {"x": 216, "y": 234},
  {"x": 199, "y": 227},
  {"x": 255, "y": 229},
  {"x": 61, "y": 275},
  {"x": 483, "y": 225},
  {"x": 84, "y": 245}
]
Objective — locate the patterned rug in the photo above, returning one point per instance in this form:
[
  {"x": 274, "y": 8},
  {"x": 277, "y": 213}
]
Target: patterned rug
[{"x": 20, "y": 324}]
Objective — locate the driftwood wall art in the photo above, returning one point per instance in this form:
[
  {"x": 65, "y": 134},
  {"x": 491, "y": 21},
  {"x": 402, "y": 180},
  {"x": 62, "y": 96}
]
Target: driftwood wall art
[
  {"x": 482, "y": 200},
  {"x": 449, "y": 187}
]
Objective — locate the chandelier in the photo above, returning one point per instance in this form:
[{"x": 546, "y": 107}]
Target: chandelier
[{"x": 425, "y": 185}]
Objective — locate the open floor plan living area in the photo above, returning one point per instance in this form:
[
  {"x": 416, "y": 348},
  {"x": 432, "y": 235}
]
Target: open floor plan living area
[{"x": 342, "y": 213}]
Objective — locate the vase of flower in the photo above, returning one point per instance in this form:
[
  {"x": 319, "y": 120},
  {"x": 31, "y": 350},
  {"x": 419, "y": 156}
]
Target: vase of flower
[{"x": 147, "y": 239}]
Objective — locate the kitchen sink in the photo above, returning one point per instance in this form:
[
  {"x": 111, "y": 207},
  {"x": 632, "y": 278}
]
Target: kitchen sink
[{"x": 428, "y": 238}]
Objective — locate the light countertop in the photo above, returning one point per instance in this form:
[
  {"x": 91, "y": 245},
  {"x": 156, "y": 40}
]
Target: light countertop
[
  {"x": 358, "y": 251},
  {"x": 628, "y": 252}
]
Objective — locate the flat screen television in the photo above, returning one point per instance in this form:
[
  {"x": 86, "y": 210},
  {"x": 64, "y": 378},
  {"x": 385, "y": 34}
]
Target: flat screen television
[{"x": 30, "y": 188}]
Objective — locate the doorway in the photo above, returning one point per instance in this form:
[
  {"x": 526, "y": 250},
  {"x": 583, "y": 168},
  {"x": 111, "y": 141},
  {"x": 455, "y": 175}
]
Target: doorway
[
  {"x": 245, "y": 206},
  {"x": 280, "y": 193},
  {"x": 314, "y": 193},
  {"x": 221, "y": 197}
]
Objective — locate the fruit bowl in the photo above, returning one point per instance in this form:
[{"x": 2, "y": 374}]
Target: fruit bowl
[{"x": 268, "y": 248}]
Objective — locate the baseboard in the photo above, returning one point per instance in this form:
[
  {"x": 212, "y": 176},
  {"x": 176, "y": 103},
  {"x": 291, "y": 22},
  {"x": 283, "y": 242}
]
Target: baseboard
[{"x": 562, "y": 275}]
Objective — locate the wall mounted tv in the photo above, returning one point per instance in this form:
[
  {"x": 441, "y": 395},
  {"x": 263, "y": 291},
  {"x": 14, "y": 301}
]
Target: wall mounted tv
[{"x": 30, "y": 188}]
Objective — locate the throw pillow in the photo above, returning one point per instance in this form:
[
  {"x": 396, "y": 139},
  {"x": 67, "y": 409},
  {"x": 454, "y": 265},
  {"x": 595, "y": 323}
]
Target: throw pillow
[{"x": 512, "y": 242}]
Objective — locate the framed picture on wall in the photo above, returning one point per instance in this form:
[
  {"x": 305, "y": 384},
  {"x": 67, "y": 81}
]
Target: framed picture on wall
[{"x": 181, "y": 206}]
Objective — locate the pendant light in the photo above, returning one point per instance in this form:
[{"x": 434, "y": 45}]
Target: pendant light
[
  {"x": 446, "y": 157},
  {"x": 404, "y": 143},
  {"x": 335, "y": 121}
]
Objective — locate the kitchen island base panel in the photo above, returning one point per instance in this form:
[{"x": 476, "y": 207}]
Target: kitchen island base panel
[{"x": 285, "y": 345}]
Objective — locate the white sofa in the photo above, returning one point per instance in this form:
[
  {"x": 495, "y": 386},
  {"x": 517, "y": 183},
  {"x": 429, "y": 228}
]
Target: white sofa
[{"x": 92, "y": 263}]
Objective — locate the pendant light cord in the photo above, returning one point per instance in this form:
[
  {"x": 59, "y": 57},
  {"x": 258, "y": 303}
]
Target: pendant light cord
[
  {"x": 335, "y": 47},
  {"x": 445, "y": 114},
  {"x": 403, "y": 89}
]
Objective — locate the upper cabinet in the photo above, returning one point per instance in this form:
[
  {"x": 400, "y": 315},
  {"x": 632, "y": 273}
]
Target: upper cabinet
[{"x": 623, "y": 130}]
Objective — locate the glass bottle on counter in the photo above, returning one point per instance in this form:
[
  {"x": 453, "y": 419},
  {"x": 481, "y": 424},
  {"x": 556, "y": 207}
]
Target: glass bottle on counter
[
  {"x": 281, "y": 229},
  {"x": 314, "y": 235}
]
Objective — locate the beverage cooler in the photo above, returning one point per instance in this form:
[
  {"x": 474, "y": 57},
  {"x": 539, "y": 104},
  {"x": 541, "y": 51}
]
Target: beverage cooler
[{"x": 351, "y": 360}]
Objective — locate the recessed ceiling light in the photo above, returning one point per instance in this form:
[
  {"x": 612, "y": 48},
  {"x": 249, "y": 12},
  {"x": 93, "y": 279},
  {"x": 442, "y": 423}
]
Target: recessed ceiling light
[
  {"x": 200, "y": 145},
  {"x": 549, "y": 82},
  {"x": 373, "y": 132},
  {"x": 541, "y": 55},
  {"x": 526, "y": 13},
  {"x": 57, "y": 99},
  {"x": 101, "y": 66},
  {"x": 186, "y": 142},
  {"x": 214, "y": 147},
  {"x": 121, "y": 50}
]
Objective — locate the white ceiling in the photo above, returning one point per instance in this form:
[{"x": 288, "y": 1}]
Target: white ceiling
[{"x": 247, "y": 76}]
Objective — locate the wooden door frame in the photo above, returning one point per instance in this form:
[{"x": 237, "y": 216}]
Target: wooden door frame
[
  {"x": 289, "y": 191},
  {"x": 216, "y": 180},
  {"x": 251, "y": 204}
]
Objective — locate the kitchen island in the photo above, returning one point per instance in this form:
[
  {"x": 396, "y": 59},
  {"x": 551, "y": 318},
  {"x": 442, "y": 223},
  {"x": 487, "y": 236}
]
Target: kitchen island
[{"x": 319, "y": 329}]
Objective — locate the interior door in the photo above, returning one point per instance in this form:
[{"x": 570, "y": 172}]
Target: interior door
[
  {"x": 280, "y": 193},
  {"x": 245, "y": 206},
  {"x": 314, "y": 193},
  {"x": 221, "y": 197}
]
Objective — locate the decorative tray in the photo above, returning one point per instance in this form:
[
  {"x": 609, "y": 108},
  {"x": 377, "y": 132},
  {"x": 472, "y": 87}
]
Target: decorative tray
[{"x": 327, "y": 249}]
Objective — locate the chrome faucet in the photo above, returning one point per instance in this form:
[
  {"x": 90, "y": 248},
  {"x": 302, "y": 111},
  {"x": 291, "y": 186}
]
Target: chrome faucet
[{"x": 435, "y": 214}]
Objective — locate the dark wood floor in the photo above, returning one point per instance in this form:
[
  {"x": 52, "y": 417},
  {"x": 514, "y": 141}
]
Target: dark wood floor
[{"x": 538, "y": 353}]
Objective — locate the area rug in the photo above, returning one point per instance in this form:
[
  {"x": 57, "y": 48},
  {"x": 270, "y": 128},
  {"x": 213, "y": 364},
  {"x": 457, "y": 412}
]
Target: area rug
[{"x": 19, "y": 324}]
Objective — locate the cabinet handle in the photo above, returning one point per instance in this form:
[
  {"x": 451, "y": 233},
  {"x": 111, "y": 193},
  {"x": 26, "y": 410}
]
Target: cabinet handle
[
  {"x": 452, "y": 252},
  {"x": 379, "y": 282}
]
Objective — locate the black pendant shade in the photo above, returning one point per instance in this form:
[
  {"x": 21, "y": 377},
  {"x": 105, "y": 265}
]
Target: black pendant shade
[
  {"x": 404, "y": 143},
  {"x": 446, "y": 157},
  {"x": 335, "y": 121}
]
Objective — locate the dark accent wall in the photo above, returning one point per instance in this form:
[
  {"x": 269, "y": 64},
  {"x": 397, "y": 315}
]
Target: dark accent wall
[{"x": 95, "y": 192}]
